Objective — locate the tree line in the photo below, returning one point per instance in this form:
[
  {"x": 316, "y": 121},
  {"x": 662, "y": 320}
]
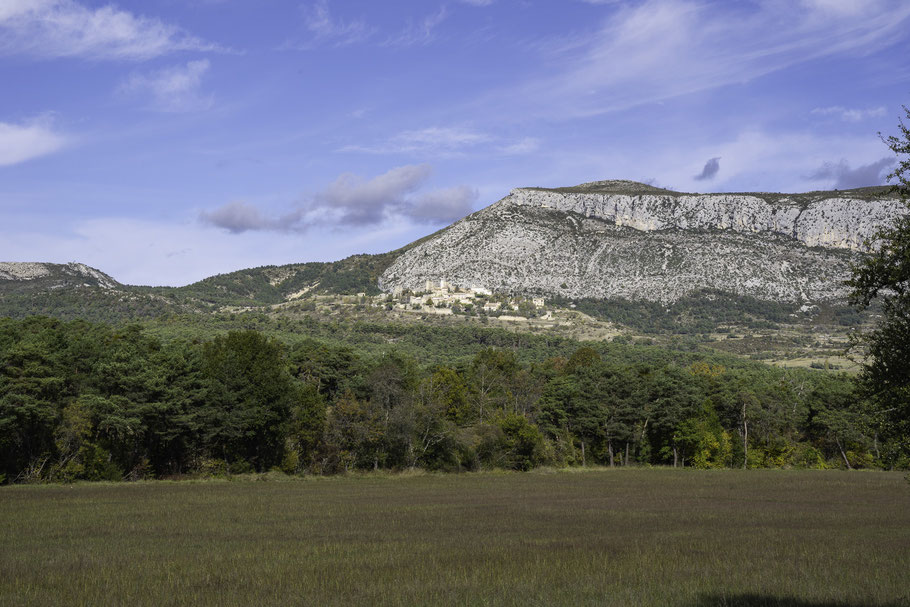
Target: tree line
[{"x": 81, "y": 400}]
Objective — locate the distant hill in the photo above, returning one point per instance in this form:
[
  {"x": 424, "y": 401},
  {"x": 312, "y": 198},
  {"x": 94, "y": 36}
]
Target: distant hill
[
  {"x": 77, "y": 291},
  {"x": 598, "y": 241},
  {"x": 622, "y": 239},
  {"x": 21, "y": 277}
]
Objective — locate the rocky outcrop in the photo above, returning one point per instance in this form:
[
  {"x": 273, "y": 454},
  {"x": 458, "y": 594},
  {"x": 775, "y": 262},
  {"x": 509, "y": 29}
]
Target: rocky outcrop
[
  {"x": 607, "y": 240},
  {"x": 827, "y": 219},
  {"x": 51, "y": 275},
  {"x": 23, "y": 270}
]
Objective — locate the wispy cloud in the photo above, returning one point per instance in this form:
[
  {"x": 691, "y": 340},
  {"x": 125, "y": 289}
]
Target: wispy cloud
[
  {"x": 173, "y": 89},
  {"x": 479, "y": 2},
  {"x": 352, "y": 200},
  {"x": 66, "y": 28},
  {"x": 446, "y": 141},
  {"x": 843, "y": 177},
  {"x": 657, "y": 49},
  {"x": 710, "y": 170},
  {"x": 527, "y": 145},
  {"x": 23, "y": 142},
  {"x": 429, "y": 140},
  {"x": 420, "y": 32},
  {"x": 849, "y": 114},
  {"x": 328, "y": 30}
]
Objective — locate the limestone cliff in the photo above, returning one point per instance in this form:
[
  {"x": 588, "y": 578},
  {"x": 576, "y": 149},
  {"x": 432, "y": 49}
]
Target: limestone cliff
[
  {"x": 37, "y": 275},
  {"x": 623, "y": 239}
]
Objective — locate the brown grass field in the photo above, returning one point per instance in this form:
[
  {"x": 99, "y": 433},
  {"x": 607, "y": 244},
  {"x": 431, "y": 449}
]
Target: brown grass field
[{"x": 608, "y": 537}]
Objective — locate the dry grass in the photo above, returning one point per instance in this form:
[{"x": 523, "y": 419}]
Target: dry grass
[{"x": 622, "y": 537}]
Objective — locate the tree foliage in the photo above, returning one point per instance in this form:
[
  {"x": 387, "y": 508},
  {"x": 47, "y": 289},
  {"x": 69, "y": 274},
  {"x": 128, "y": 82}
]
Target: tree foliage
[
  {"x": 83, "y": 401},
  {"x": 885, "y": 276}
]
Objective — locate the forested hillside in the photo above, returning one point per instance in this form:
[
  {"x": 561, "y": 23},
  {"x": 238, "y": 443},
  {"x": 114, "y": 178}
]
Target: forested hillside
[{"x": 89, "y": 401}]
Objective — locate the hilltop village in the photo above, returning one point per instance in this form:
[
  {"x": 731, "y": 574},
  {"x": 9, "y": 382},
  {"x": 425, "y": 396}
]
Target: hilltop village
[{"x": 444, "y": 298}]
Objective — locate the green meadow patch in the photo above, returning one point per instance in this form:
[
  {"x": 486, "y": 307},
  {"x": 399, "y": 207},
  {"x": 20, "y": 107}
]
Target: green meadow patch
[{"x": 608, "y": 537}]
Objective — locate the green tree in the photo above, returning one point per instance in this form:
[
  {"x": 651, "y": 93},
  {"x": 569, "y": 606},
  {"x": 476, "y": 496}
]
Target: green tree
[
  {"x": 249, "y": 399},
  {"x": 837, "y": 418},
  {"x": 489, "y": 376},
  {"x": 704, "y": 440},
  {"x": 307, "y": 425},
  {"x": 556, "y": 419},
  {"x": 355, "y": 435},
  {"x": 330, "y": 369},
  {"x": 32, "y": 386},
  {"x": 582, "y": 357},
  {"x": 611, "y": 401},
  {"x": 446, "y": 392},
  {"x": 172, "y": 423},
  {"x": 512, "y": 442},
  {"x": 674, "y": 395},
  {"x": 884, "y": 276}
]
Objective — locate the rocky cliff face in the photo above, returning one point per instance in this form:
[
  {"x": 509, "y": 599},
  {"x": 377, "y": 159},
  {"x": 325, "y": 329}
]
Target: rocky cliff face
[
  {"x": 34, "y": 275},
  {"x": 827, "y": 219},
  {"x": 622, "y": 239}
]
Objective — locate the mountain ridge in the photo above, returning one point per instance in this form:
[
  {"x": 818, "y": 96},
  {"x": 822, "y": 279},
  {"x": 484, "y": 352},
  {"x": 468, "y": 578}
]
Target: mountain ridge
[
  {"x": 623, "y": 239},
  {"x": 601, "y": 239}
]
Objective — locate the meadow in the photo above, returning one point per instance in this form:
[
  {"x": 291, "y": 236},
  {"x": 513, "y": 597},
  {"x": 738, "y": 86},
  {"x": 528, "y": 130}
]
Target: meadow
[{"x": 604, "y": 537}]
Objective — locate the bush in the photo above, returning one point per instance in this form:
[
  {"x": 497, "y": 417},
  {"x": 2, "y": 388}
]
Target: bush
[
  {"x": 521, "y": 444},
  {"x": 807, "y": 456}
]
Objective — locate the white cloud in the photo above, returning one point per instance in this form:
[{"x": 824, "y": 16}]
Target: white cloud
[
  {"x": 849, "y": 114},
  {"x": 173, "y": 89},
  {"x": 425, "y": 141},
  {"x": 657, "y": 49},
  {"x": 478, "y": 2},
  {"x": 848, "y": 8},
  {"x": 447, "y": 138},
  {"x": 328, "y": 30},
  {"x": 446, "y": 142},
  {"x": 331, "y": 31},
  {"x": 421, "y": 32},
  {"x": 22, "y": 142},
  {"x": 66, "y": 28},
  {"x": 528, "y": 145}
]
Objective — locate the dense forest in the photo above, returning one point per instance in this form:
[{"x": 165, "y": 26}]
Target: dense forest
[{"x": 80, "y": 400}]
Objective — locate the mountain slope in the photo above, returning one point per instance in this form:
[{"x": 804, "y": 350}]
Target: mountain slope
[
  {"x": 78, "y": 291},
  {"x": 621, "y": 239},
  {"x": 269, "y": 285},
  {"x": 74, "y": 290},
  {"x": 34, "y": 276},
  {"x": 606, "y": 240}
]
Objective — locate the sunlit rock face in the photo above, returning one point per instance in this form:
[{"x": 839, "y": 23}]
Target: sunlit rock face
[
  {"x": 52, "y": 275},
  {"x": 830, "y": 220},
  {"x": 623, "y": 239}
]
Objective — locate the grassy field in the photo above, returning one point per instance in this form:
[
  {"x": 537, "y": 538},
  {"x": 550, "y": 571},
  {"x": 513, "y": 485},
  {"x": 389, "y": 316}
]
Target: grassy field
[{"x": 621, "y": 537}]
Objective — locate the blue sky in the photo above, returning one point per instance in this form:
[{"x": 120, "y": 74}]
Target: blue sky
[{"x": 163, "y": 141}]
